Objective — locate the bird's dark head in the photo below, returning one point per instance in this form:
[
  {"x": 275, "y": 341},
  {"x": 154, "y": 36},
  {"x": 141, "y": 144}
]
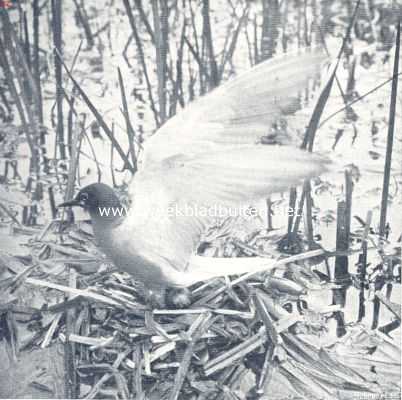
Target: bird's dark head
[{"x": 99, "y": 200}]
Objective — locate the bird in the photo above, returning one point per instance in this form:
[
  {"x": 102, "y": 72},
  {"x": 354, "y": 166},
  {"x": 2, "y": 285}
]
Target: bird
[{"x": 210, "y": 154}]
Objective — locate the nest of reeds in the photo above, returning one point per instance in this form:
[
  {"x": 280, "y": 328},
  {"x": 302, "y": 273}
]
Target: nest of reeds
[{"x": 248, "y": 337}]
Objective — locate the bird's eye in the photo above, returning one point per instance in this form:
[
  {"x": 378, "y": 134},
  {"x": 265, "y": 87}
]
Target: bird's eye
[{"x": 84, "y": 196}]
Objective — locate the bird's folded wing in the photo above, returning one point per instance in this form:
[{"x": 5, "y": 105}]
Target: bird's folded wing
[
  {"x": 174, "y": 202},
  {"x": 238, "y": 112}
]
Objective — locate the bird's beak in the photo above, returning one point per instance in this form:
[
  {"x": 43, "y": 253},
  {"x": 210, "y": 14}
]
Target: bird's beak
[{"x": 70, "y": 203}]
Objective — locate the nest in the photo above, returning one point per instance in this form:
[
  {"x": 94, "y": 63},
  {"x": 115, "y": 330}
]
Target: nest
[{"x": 249, "y": 337}]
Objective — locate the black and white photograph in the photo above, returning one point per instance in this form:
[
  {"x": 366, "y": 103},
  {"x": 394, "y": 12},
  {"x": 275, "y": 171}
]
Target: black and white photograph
[{"x": 200, "y": 199}]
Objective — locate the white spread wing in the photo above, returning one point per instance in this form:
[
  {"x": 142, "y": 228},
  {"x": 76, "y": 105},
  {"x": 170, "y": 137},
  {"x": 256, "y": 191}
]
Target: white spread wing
[
  {"x": 207, "y": 156},
  {"x": 238, "y": 112}
]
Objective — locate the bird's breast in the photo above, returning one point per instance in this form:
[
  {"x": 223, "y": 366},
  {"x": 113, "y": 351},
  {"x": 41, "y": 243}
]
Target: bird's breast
[{"x": 121, "y": 248}]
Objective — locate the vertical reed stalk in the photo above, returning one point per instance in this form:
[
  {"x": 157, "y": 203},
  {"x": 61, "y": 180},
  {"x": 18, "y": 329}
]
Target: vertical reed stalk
[
  {"x": 57, "y": 42},
  {"x": 390, "y": 139},
  {"x": 70, "y": 375},
  {"x": 83, "y": 18},
  {"x": 17, "y": 99},
  {"x": 178, "y": 84},
  {"x": 362, "y": 267},
  {"x": 207, "y": 35},
  {"x": 270, "y": 31},
  {"x": 27, "y": 54},
  {"x": 141, "y": 56},
  {"x": 388, "y": 159},
  {"x": 341, "y": 271},
  {"x": 35, "y": 63},
  {"x": 161, "y": 53},
  {"x": 129, "y": 126}
]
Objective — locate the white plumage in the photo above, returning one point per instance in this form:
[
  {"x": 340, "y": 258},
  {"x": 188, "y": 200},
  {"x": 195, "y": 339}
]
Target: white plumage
[{"x": 206, "y": 156}]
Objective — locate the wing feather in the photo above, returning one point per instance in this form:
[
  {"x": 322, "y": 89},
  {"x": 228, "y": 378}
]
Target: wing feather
[
  {"x": 207, "y": 156},
  {"x": 238, "y": 112},
  {"x": 166, "y": 215}
]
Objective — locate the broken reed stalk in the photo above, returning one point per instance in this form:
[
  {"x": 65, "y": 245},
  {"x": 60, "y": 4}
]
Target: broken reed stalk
[
  {"x": 141, "y": 56},
  {"x": 341, "y": 270},
  {"x": 129, "y": 126},
  {"x": 52, "y": 202},
  {"x": 362, "y": 267},
  {"x": 58, "y": 50},
  {"x": 387, "y": 165},
  {"x": 269, "y": 214},
  {"x": 292, "y": 206},
  {"x": 70, "y": 376},
  {"x": 362, "y": 263},
  {"x": 299, "y": 212},
  {"x": 160, "y": 29},
  {"x": 308, "y": 220}
]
